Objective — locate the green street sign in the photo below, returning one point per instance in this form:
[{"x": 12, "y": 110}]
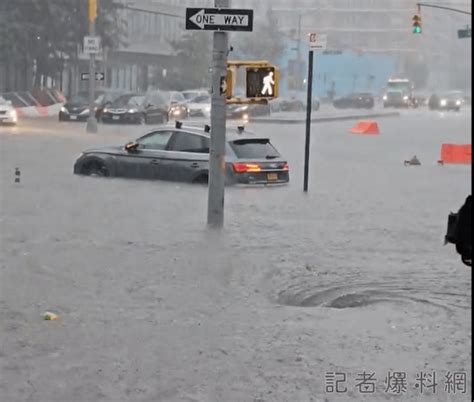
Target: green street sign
[{"x": 464, "y": 33}]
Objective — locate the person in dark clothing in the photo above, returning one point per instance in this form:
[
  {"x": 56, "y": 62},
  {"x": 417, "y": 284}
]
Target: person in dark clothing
[{"x": 459, "y": 232}]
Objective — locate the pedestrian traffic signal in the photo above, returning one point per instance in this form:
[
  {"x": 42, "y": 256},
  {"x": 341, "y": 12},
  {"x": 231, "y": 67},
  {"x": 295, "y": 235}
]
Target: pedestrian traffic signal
[
  {"x": 262, "y": 82},
  {"x": 417, "y": 24},
  {"x": 227, "y": 84}
]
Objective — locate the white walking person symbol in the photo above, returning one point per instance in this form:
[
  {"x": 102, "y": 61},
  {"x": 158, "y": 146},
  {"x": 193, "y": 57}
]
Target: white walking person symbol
[{"x": 267, "y": 84}]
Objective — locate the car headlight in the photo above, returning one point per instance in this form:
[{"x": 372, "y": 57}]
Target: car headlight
[
  {"x": 176, "y": 112},
  {"x": 208, "y": 109},
  {"x": 405, "y": 97},
  {"x": 443, "y": 102},
  {"x": 458, "y": 103},
  {"x": 105, "y": 110},
  {"x": 385, "y": 97},
  {"x": 132, "y": 111},
  {"x": 64, "y": 110}
]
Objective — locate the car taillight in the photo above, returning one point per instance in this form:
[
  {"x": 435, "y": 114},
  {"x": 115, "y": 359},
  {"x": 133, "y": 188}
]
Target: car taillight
[
  {"x": 286, "y": 167},
  {"x": 246, "y": 167}
]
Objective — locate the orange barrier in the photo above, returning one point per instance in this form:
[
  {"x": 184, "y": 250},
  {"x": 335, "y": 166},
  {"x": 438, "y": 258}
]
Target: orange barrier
[
  {"x": 456, "y": 154},
  {"x": 366, "y": 127}
]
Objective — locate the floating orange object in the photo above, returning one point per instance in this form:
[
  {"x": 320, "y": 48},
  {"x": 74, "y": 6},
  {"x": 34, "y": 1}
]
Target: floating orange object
[
  {"x": 456, "y": 154},
  {"x": 366, "y": 127}
]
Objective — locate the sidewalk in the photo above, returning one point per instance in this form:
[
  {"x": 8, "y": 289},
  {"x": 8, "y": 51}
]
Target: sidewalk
[{"x": 320, "y": 117}]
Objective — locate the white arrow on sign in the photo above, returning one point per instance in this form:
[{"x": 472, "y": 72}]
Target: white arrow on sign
[{"x": 201, "y": 19}]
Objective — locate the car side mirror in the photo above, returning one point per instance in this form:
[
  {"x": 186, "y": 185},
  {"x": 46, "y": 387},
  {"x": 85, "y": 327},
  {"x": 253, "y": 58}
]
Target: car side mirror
[{"x": 131, "y": 146}]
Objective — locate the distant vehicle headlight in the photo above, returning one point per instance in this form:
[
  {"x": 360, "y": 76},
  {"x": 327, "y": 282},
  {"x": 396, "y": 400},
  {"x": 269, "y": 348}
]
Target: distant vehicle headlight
[
  {"x": 443, "y": 102},
  {"x": 132, "y": 110},
  {"x": 458, "y": 103},
  {"x": 105, "y": 110},
  {"x": 385, "y": 97},
  {"x": 208, "y": 109},
  {"x": 406, "y": 97},
  {"x": 64, "y": 110},
  {"x": 12, "y": 114}
]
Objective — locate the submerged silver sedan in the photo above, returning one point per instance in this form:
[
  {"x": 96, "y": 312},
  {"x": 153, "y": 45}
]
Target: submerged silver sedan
[{"x": 182, "y": 154}]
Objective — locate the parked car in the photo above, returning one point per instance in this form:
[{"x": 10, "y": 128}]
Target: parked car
[
  {"x": 191, "y": 94},
  {"x": 293, "y": 104},
  {"x": 446, "y": 101},
  {"x": 8, "y": 113},
  {"x": 105, "y": 99},
  {"x": 156, "y": 108},
  {"x": 182, "y": 154},
  {"x": 355, "y": 101},
  {"x": 200, "y": 106},
  {"x": 176, "y": 103},
  {"x": 77, "y": 107},
  {"x": 127, "y": 108}
]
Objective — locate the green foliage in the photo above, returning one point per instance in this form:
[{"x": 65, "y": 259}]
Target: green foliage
[
  {"x": 194, "y": 57},
  {"x": 266, "y": 42},
  {"x": 51, "y": 31}
]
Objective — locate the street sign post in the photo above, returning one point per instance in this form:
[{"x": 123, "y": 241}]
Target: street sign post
[
  {"x": 219, "y": 19},
  {"x": 99, "y": 76},
  {"x": 91, "y": 47},
  {"x": 315, "y": 42}
]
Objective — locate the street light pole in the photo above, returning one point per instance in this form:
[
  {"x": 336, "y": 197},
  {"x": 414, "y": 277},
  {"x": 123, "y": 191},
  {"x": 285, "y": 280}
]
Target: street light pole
[
  {"x": 215, "y": 204},
  {"x": 91, "y": 121}
]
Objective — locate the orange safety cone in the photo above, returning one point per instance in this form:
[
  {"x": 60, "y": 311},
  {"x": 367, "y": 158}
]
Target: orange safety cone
[
  {"x": 460, "y": 154},
  {"x": 366, "y": 127}
]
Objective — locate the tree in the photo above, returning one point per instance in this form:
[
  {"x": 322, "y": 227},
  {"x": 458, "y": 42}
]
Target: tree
[
  {"x": 266, "y": 42},
  {"x": 194, "y": 54},
  {"x": 42, "y": 34}
]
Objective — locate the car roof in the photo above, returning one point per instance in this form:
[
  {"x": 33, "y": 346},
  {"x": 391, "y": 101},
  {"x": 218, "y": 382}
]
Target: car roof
[{"x": 232, "y": 132}]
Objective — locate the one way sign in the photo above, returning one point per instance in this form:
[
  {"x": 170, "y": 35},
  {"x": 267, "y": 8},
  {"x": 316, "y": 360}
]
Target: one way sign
[{"x": 219, "y": 19}]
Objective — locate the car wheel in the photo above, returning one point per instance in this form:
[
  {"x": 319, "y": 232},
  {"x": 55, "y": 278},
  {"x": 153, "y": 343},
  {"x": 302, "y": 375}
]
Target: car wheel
[{"x": 96, "y": 169}]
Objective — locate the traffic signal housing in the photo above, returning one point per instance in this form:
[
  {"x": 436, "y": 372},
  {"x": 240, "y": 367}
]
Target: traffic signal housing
[
  {"x": 417, "y": 24},
  {"x": 262, "y": 82}
]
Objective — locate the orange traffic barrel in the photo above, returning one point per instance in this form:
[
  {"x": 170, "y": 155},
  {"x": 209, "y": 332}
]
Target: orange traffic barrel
[
  {"x": 456, "y": 154},
  {"x": 366, "y": 127}
]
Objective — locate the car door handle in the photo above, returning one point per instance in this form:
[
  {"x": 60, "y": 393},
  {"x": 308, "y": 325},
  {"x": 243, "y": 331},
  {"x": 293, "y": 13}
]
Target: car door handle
[
  {"x": 194, "y": 165},
  {"x": 155, "y": 162}
]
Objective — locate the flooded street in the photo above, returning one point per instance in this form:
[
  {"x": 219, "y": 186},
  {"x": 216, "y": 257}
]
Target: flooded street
[{"x": 152, "y": 306}]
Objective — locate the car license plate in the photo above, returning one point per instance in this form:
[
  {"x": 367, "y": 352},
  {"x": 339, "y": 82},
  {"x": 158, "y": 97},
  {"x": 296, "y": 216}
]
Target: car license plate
[
  {"x": 73, "y": 117},
  {"x": 272, "y": 176},
  {"x": 115, "y": 117}
]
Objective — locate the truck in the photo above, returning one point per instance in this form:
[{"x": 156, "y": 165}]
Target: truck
[{"x": 399, "y": 93}]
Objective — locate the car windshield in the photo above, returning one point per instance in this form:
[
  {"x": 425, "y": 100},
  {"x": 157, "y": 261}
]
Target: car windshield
[
  {"x": 258, "y": 148},
  {"x": 190, "y": 95},
  {"x": 202, "y": 99},
  {"x": 127, "y": 100},
  {"x": 80, "y": 98}
]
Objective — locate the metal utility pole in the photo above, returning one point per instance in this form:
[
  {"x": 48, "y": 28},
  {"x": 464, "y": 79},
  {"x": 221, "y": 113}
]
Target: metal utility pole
[
  {"x": 91, "y": 121},
  {"x": 215, "y": 204}
]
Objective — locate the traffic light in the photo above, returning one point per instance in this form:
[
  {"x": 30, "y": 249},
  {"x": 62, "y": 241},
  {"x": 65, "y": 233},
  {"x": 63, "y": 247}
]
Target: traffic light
[
  {"x": 92, "y": 10},
  {"x": 227, "y": 84},
  {"x": 262, "y": 82},
  {"x": 417, "y": 24}
]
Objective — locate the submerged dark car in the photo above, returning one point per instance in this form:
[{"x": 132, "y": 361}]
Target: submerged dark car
[
  {"x": 182, "y": 154},
  {"x": 355, "y": 101},
  {"x": 128, "y": 108},
  {"x": 77, "y": 108}
]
